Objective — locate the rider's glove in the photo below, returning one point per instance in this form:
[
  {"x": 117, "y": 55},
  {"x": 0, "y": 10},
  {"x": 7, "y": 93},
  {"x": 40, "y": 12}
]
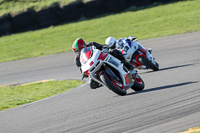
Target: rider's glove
[{"x": 105, "y": 49}]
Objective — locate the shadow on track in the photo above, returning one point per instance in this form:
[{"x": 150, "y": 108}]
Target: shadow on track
[
  {"x": 163, "y": 87},
  {"x": 168, "y": 68},
  {"x": 173, "y": 67}
]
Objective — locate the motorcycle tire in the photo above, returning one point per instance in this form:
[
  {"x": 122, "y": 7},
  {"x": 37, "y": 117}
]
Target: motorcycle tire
[
  {"x": 107, "y": 81},
  {"x": 138, "y": 84},
  {"x": 157, "y": 64},
  {"x": 148, "y": 63}
]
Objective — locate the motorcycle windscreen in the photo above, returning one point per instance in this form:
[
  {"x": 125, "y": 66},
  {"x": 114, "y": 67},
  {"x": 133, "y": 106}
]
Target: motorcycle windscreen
[{"x": 86, "y": 53}]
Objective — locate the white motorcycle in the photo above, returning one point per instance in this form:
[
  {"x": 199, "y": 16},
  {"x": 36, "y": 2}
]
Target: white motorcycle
[
  {"x": 137, "y": 58},
  {"x": 109, "y": 71}
]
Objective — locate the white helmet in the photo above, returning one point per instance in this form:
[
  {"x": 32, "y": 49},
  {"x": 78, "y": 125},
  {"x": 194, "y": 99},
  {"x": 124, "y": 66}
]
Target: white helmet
[{"x": 111, "y": 41}]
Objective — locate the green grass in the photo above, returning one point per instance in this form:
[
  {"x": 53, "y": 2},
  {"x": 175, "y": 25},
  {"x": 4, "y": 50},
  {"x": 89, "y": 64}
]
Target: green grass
[
  {"x": 163, "y": 20},
  {"x": 17, "y": 6},
  {"x": 18, "y": 95},
  {"x": 192, "y": 130}
]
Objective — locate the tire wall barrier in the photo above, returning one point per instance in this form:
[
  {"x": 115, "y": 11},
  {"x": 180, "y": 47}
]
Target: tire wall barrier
[
  {"x": 5, "y": 25},
  {"x": 71, "y": 12},
  {"x": 54, "y": 15},
  {"x": 23, "y": 22}
]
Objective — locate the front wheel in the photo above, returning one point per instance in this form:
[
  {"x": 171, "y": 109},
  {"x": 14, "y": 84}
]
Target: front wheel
[
  {"x": 148, "y": 63},
  {"x": 138, "y": 84},
  {"x": 117, "y": 88}
]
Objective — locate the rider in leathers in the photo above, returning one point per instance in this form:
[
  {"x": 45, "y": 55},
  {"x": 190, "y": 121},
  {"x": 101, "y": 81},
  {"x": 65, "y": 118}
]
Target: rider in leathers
[
  {"x": 80, "y": 44},
  {"x": 121, "y": 42}
]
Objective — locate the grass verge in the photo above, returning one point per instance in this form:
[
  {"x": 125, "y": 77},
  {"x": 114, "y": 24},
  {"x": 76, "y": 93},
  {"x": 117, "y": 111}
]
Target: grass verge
[
  {"x": 192, "y": 130},
  {"x": 17, "y": 6},
  {"x": 18, "y": 95},
  {"x": 163, "y": 20}
]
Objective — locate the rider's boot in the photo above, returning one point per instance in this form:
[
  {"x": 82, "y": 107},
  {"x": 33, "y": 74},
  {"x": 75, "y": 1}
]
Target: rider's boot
[
  {"x": 129, "y": 66},
  {"x": 149, "y": 50},
  {"x": 93, "y": 84}
]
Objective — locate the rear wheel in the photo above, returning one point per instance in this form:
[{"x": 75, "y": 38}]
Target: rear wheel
[
  {"x": 148, "y": 63},
  {"x": 112, "y": 85},
  {"x": 138, "y": 84},
  {"x": 157, "y": 65}
]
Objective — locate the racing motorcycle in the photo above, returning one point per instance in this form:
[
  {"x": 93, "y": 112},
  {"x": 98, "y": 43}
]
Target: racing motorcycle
[
  {"x": 132, "y": 54},
  {"x": 109, "y": 71}
]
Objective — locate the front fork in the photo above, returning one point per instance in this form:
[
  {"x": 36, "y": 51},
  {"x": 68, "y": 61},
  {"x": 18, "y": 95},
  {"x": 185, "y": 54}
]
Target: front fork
[
  {"x": 111, "y": 74},
  {"x": 107, "y": 70}
]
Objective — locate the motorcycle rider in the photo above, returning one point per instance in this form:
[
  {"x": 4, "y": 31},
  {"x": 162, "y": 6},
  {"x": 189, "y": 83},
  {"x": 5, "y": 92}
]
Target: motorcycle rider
[
  {"x": 79, "y": 44},
  {"x": 118, "y": 44}
]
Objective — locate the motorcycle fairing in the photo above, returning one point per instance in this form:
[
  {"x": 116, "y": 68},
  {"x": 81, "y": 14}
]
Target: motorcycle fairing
[
  {"x": 129, "y": 48},
  {"x": 102, "y": 56},
  {"x": 98, "y": 58},
  {"x": 128, "y": 78},
  {"x": 86, "y": 53},
  {"x": 116, "y": 64}
]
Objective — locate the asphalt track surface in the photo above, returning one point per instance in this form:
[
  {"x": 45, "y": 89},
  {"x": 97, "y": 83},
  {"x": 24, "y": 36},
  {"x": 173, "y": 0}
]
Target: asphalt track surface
[{"x": 170, "y": 102}]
